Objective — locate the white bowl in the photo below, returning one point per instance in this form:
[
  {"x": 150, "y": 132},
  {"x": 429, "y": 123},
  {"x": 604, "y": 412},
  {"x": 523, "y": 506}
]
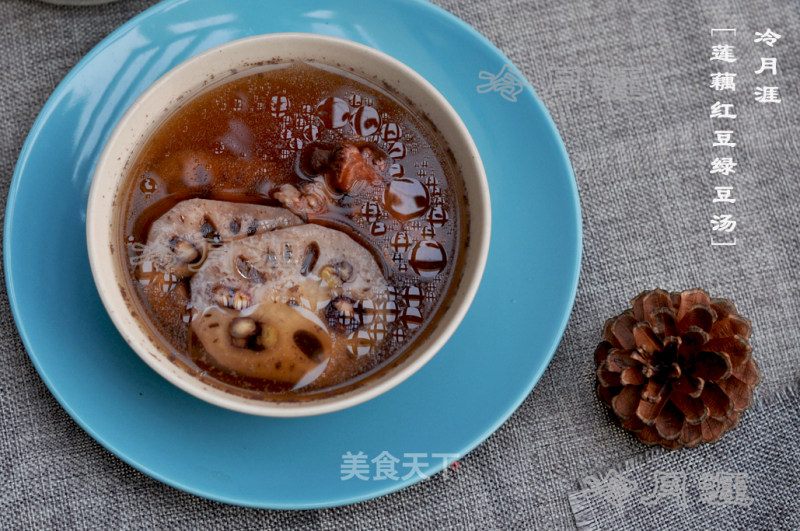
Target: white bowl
[{"x": 187, "y": 79}]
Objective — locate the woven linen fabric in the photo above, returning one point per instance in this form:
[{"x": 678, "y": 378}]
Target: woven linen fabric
[
  {"x": 627, "y": 84},
  {"x": 750, "y": 481}
]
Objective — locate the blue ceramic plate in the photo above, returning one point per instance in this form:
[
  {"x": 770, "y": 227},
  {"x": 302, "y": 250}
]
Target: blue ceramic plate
[{"x": 457, "y": 400}]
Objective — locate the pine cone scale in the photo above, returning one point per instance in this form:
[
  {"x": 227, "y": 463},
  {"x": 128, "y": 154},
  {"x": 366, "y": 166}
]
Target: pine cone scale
[
  {"x": 719, "y": 404},
  {"x": 607, "y": 394},
  {"x": 632, "y": 376},
  {"x": 625, "y": 403},
  {"x": 619, "y": 360},
  {"x": 669, "y": 422},
  {"x": 646, "y": 339},
  {"x": 607, "y": 377},
  {"x": 623, "y": 331},
  {"x": 689, "y": 385},
  {"x": 654, "y": 391},
  {"x": 724, "y": 308},
  {"x": 647, "y": 411},
  {"x": 747, "y": 373},
  {"x": 653, "y": 300},
  {"x": 736, "y": 347},
  {"x": 601, "y": 352},
  {"x": 663, "y": 322},
  {"x": 699, "y": 316},
  {"x": 691, "y": 342},
  {"x": 731, "y": 326},
  {"x": 689, "y": 299},
  {"x": 691, "y": 435},
  {"x": 633, "y": 424},
  {"x": 712, "y": 366},
  {"x": 693, "y": 409},
  {"x": 742, "y": 397}
]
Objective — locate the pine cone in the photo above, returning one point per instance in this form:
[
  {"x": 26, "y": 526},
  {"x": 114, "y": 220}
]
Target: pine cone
[{"x": 676, "y": 369}]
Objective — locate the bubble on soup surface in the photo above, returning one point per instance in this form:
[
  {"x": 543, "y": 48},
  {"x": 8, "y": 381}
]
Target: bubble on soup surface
[
  {"x": 360, "y": 343},
  {"x": 311, "y": 132},
  {"x": 406, "y": 198},
  {"x": 371, "y": 211},
  {"x": 148, "y": 185},
  {"x": 344, "y": 314},
  {"x": 366, "y": 121},
  {"x": 377, "y": 332},
  {"x": 391, "y": 132},
  {"x": 413, "y": 296},
  {"x": 368, "y": 307},
  {"x": 387, "y": 311},
  {"x": 437, "y": 215},
  {"x": 378, "y": 228},
  {"x": 397, "y": 150},
  {"x": 399, "y": 260},
  {"x": 356, "y": 100},
  {"x": 399, "y": 334},
  {"x": 334, "y": 112},
  {"x": 279, "y": 106},
  {"x": 412, "y": 317},
  {"x": 433, "y": 186},
  {"x": 428, "y": 258},
  {"x": 401, "y": 242}
]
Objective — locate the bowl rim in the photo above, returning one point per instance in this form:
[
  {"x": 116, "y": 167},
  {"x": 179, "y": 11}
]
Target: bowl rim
[{"x": 100, "y": 233}]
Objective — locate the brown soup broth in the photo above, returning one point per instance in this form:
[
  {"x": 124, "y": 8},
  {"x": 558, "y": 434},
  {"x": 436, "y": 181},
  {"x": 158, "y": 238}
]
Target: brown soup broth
[{"x": 246, "y": 135}]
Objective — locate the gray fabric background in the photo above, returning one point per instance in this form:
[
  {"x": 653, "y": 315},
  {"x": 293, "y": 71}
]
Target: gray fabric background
[
  {"x": 764, "y": 451},
  {"x": 626, "y": 83}
]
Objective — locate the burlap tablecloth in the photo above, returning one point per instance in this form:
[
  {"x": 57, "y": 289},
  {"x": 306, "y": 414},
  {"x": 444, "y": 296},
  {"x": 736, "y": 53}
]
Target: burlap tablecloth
[{"x": 627, "y": 83}]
